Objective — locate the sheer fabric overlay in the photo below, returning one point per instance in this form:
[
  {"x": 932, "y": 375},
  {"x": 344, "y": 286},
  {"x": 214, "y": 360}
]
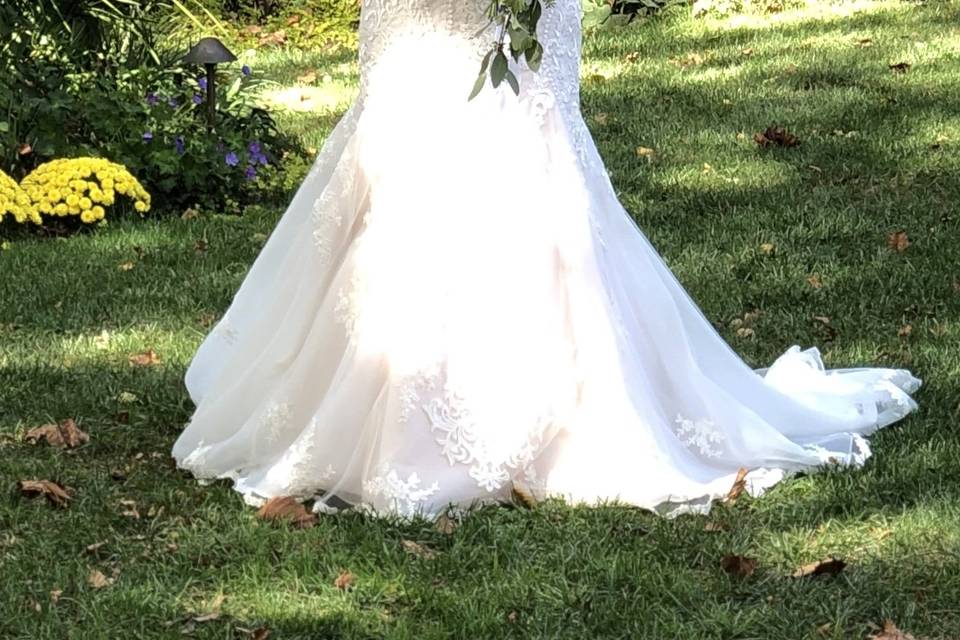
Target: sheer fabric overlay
[{"x": 414, "y": 336}]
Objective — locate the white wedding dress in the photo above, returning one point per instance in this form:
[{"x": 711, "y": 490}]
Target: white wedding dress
[{"x": 455, "y": 301}]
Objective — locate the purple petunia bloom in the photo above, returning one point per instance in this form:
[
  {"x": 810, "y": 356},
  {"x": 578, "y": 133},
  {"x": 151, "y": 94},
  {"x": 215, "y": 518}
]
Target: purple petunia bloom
[
  {"x": 152, "y": 99},
  {"x": 254, "y": 148},
  {"x": 197, "y": 98},
  {"x": 180, "y": 145},
  {"x": 203, "y": 83},
  {"x": 147, "y": 136},
  {"x": 246, "y": 70},
  {"x": 231, "y": 159},
  {"x": 250, "y": 173}
]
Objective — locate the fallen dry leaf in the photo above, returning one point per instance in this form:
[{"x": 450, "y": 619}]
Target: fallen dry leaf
[
  {"x": 310, "y": 77},
  {"x": 828, "y": 567},
  {"x": 631, "y": 57},
  {"x": 345, "y": 580},
  {"x": 900, "y": 67},
  {"x": 814, "y": 281},
  {"x": 646, "y": 152},
  {"x": 97, "y": 580},
  {"x": 714, "y": 526},
  {"x": 739, "y": 486},
  {"x": 863, "y": 43},
  {"x": 145, "y": 359},
  {"x": 446, "y": 525},
  {"x": 522, "y": 495},
  {"x": 777, "y": 136},
  {"x": 91, "y": 548},
  {"x": 287, "y": 509},
  {"x": 891, "y": 632},
  {"x": 745, "y": 332},
  {"x": 898, "y": 241},
  {"x": 767, "y": 248},
  {"x": 418, "y": 550},
  {"x": 65, "y": 434},
  {"x": 905, "y": 331},
  {"x": 53, "y": 492},
  {"x": 55, "y": 595},
  {"x": 740, "y": 566},
  {"x": 125, "y": 266},
  {"x": 129, "y": 509}
]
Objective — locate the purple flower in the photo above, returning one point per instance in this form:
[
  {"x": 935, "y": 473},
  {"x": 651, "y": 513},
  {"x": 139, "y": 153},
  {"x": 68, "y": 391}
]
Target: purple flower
[
  {"x": 203, "y": 83},
  {"x": 251, "y": 173},
  {"x": 197, "y": 98},
  {"x": 172, "y": 102},
  {"x": 246, "y": 70},
  {"x": 147, "y": 136},
  {"x": 152, "y": 99},
  {"x": 254, "y": 148},
  {"x": 180, "y": 145},
  {"x": 262, "y": 159},
  {"x": 231, "y": 159}
]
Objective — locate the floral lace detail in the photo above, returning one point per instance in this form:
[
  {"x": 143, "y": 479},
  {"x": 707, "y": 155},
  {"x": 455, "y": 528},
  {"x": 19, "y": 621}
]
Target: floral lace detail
[
  {"x": 347, "y": 311},
  {"x": 405, "y": 497},
  {"x": 275, "y": 418},
  {"x": 702, "y": 434}
]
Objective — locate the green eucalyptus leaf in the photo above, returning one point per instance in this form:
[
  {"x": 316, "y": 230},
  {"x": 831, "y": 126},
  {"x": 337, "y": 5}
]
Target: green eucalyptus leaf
[
  {"x": 478, "y": 85},
  {"x": 534, "y": 56},
  {"x": 499, "y": 69}
]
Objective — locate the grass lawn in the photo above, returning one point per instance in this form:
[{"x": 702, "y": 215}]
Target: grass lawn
[{"x": 800, "y": 234}]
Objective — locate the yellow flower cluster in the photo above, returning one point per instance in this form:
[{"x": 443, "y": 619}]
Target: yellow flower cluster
[
  {"x": 14, "y": 200},
  {"x": 83, "y": 187}
]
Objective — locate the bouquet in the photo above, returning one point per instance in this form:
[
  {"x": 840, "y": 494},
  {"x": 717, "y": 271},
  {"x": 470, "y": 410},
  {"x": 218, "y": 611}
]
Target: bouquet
[{"x": 516, "y": 21}]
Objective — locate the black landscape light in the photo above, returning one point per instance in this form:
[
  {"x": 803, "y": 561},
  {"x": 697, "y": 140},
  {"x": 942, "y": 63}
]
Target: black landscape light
[{"x": 210, "y": 52}]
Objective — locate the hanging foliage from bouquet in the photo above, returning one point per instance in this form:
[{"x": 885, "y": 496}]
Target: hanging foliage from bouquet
[{"x": 516, "y": 23}]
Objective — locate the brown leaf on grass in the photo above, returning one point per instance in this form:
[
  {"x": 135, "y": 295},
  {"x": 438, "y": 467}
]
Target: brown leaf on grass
[
  {"x": 128, "y": 509},
  {"x": 863, "y": 43},
  {"x": 745, "y": 332},
  {"x": 253, "y": 29},
  {"x": 740, "y": 566},
  {"x": 900, "y": 67},
  {"x": 55, "y": 595},
  {"x": 92, "y": 548},
  {"x": 446, "y": 525},
  {"x": 814, "y": 281},
  {"x": 24, "y": 149},
  {"x": 739, "y": 486},
  {"x": 632, "y": 57},
  {"x": 776, "y": 136},
  {"x": 293, "y": 20},
  {"x": 201, "y": 245},
  {"x": 768, "y": 248},
  {"x": 714, "y": 526},
  {"x": 53, "y": 492},
  {"x": 287, "y": 509},
  {"x": 125, "y": 266},
  {"x": 898, "y": 241},
  {"x": 418, "y": 550},
  {"x": 646, "y": 152},
  {"x": 310, "y": 77},
  {"x": 828, "y": 567},
  {"x": 66, "y": 434},
  {"x": 522, "y": 495},
  {"x": 891, "y": 632},
  {"x": 260, "y": 633},
  {"x": 97, "y": 580},
  {"x": 276, "y": 38},
  {"x": 145, "y": 359},
  {"x": 345, "y": 580},
  {"x": 905, "y": 331},
  {"x": 512, "y": 617}
]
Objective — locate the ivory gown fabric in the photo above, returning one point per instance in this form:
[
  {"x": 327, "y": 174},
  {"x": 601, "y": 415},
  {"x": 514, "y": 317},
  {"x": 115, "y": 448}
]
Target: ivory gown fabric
[{"x": 415, "y": 334}]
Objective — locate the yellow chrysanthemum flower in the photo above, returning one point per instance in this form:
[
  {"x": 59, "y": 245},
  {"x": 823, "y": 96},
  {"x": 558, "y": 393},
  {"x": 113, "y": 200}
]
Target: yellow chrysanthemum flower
[
  {"x": 14, "y": 200},
  {"x": 82, "y": 187}
]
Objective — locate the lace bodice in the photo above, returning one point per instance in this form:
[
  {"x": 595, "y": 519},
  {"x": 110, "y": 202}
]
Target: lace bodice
[{"x": 461, "y": 23}]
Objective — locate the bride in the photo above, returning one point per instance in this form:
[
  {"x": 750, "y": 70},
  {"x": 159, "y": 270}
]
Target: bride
[{"x": 455, "y": 304}]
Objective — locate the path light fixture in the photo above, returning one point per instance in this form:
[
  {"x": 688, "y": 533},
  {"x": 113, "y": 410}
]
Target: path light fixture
[{"x": 210, "y": 52}]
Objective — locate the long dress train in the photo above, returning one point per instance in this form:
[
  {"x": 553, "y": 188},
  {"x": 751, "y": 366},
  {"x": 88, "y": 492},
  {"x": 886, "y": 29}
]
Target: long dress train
[{"x": 420, "y": 331}]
